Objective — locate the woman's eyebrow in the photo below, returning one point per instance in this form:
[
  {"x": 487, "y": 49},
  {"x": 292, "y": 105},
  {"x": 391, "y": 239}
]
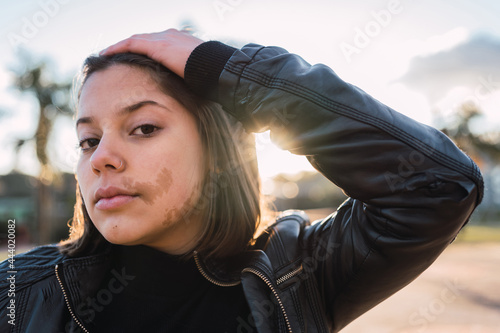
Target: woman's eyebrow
[
  {"x": 138, "y": 105},
  {"x": 125, "y": 110},
  {"x": 84, "y": 120}
]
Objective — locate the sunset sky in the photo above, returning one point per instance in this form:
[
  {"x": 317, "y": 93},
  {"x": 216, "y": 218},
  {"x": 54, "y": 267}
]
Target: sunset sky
[{"x": 423, "y": 58}]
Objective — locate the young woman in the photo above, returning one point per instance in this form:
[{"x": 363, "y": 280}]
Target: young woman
[{"x": 164, "y": 234}]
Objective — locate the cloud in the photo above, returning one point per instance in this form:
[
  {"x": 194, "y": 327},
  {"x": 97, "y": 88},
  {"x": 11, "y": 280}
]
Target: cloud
[{"x": 474, "y": 64}]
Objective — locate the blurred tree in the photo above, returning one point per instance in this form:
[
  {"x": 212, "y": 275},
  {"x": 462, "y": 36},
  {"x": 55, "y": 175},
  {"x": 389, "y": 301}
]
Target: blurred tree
[
  {"x": 483, "y": 147},
  {"x": 304, "y": 190},
  {"x": 34, "y": 77}
]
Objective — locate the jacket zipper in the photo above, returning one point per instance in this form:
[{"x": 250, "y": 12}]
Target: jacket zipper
[
  {"x": 67, "y": 302},
  {"x": 287, "y": 276},
  {"x": 270, "y": 285},
  {"x": 205, "y": 275},
  {"x": 261, "y": 276}
]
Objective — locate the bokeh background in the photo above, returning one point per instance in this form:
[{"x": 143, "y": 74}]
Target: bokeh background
[{"x": 435, "y": 61}]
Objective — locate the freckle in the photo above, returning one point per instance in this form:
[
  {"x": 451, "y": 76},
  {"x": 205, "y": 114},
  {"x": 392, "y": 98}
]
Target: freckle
[{"x": 115, "y": 226}]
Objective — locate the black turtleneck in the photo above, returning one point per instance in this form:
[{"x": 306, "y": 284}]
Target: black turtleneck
[{"x": 158, "y": 292}]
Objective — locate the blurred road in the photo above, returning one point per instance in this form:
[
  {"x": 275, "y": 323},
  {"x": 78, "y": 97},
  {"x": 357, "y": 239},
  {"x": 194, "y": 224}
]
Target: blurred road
[{"x": 459, "y": 293}]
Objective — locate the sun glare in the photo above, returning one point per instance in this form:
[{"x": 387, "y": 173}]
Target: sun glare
[{"x": 273, "y": 160}]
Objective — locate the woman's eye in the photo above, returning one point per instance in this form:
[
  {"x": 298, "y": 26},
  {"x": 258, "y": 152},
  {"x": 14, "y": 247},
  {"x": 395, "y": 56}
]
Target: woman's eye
[
  {"x": 87, "y": 144},
  {"x": 146, "y": 129}
]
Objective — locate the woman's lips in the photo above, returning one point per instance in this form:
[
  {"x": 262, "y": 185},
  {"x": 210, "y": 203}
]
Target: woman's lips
[
  {"x": 114, "y": 202},
  {"x": 112, "y": 197}
]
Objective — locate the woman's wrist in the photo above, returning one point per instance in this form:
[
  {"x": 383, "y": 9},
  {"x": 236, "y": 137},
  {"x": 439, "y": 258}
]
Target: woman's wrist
[{"x": 204, "y": 66}]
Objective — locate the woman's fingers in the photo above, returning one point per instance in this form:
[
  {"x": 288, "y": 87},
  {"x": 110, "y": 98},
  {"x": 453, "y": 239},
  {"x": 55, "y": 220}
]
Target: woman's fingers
[
  {"x": 171, "y": 48},
  {"x": 133, "y": 44}
]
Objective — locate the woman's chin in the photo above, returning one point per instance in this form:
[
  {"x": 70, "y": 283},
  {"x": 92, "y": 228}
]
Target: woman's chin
[{"x": 119, "y": 234}]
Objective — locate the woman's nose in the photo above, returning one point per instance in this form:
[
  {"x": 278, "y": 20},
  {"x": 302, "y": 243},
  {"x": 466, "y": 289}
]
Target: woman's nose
[{"x": 106, "y": 157}]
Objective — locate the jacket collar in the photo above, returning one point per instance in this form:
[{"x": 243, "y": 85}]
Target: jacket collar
[
  {"x": 227, "y": 272},
  {"x": 82, "y": 277}
]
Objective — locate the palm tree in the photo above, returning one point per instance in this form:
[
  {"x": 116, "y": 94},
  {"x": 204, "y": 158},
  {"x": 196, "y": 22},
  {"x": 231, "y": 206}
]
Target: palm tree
[{"x": 53, "y": 100}]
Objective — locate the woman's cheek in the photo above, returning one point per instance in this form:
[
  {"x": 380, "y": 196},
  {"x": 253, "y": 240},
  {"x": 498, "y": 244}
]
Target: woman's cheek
[
  {"x": 83, "y": 183},
  {"x": 185, "y": 209}
]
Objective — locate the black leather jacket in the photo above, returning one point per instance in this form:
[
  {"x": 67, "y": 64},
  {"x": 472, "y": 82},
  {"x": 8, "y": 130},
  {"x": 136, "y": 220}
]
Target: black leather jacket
[{"x": 411, "y": 190}]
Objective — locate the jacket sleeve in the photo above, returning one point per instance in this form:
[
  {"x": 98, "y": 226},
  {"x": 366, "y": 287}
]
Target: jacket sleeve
[{"x": 411, "y": 189}]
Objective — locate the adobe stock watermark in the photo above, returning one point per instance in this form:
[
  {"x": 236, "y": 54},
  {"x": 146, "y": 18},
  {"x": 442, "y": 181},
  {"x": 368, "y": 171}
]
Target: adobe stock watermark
[
  {"x": 91, "y": 306},
  {"x": 32, "y": 25},
  {"x": 104, "y": 296},
  {"x": 437, "y": 306},
  {"x": 411, "y": 163},
  {"x": 363, "y": 36},
  {"x": 11, "y": 292},
  {"x": 407, "y": 167},
  {"x": 485, "y": 87},
  {"x": 222, "y": 7}
]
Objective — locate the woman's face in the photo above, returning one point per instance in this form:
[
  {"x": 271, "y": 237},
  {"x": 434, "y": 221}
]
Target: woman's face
[{"x": 141, "y": 166}]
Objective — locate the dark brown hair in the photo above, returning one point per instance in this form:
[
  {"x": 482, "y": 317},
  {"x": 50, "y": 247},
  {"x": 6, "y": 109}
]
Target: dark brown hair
[{"x": 230, "y": 196}]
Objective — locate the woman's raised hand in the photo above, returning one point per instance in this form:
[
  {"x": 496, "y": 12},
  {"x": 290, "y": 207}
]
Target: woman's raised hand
[{"x": 171, "y": 48}]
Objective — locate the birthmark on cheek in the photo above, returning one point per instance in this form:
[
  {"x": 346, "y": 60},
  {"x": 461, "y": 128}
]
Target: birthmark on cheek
[
  {"x": 151, "y": 191},
  {"x": 187, "y": 209}
]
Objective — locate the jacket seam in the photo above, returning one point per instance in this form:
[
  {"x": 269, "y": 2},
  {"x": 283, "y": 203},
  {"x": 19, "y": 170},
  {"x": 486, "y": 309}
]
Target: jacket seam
[
  {"x": 306, "y": 93},
  {"x": 361, "y": 265},
  {"x": 313, "y": 301},
  {"x": 24, "y": 298},
  {"x": 296, "y": 305},
  {"x": 239, "y": 74},
  {"x": 279, "y": 247},
  {"x": 293, "y": 217}
]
